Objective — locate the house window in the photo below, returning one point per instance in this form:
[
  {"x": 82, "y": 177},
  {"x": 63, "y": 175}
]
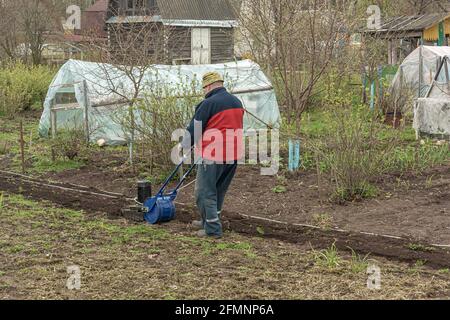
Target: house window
[{"x": 140, "y": 7}]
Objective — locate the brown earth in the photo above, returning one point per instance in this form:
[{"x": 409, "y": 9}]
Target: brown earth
[
  {"x": 123, "y": 260},
  {"x": 411, "y": 206},
  {"x": 415, "y": 207},
  {"x": 93, "y": 200}
]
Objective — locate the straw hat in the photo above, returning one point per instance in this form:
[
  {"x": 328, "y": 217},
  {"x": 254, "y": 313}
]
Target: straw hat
[{"x": 210, "y": 78}]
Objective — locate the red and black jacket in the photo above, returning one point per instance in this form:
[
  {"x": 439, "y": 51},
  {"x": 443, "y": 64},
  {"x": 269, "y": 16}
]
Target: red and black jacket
[{"x": 221, "y": 118}]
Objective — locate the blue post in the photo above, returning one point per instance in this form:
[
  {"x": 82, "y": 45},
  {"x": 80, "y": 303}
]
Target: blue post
[
  {"x": 297, "y": 162},
  {"x": 294, "y": 155},
  {"x": 372, "y": 96}
]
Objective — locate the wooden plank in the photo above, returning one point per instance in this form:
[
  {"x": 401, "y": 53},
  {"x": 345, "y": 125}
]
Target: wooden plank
[
  {"x": 86, "y": 111},
  {"x": 123, "y": 102},
  {"x": 53, "y": 119},
  {"x": 66, "y": 106}
]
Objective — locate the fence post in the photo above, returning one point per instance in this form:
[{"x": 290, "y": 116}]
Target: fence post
[
  {"x": 420, "y": 69},
  {"x": 86, "y": 112},
  {"x": 53, "y": 119},
  {"x": 447, "y": 77},
  {"x": 294, "y": 155},
  {"x": 380, "y": 91},
  {"x": 364, "y": 84},
  {"x": 22, "y": 148}
]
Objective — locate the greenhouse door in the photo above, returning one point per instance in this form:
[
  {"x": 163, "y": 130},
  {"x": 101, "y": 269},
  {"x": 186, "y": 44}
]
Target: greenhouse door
[{"x": 201, "y": 49}]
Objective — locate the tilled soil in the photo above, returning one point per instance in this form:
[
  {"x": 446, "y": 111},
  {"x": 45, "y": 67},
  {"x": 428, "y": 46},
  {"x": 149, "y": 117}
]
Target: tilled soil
[
  {"x": 416, "y": 207},
  {"x": 91, "y": 200}
]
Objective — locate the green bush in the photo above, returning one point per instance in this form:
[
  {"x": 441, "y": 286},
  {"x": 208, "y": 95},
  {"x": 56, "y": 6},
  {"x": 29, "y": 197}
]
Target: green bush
[{"x": 23, "y": 87}]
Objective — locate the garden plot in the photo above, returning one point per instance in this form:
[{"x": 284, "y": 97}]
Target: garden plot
[
  {"x": 406, "y": 219},
  {"x": 119, "y": 260},
  {"x": 252, "y": 222}
]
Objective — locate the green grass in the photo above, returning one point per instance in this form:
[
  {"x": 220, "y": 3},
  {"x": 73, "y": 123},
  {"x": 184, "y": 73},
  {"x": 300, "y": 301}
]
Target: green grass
[
  {"x": 358, "y": 263},
  {"x": 46, "y": 165},
  {"x": 363, "y": 191},
  {"x": 420, "y": 247},
  {"x": 243, "y": 246},
  {"x": 279, "y": 189},
  {"x": 328, "y": 258},
  {"x": 16, "y": 248},
  {"x": 37, "y": 150},
  {"x": 168, "y": 267},
  {"x": 417, "y": 157},
  {"x": 418, "y": 265},
  {"x": 118, "y": 234},
  {"x": 322, "y": 220}
]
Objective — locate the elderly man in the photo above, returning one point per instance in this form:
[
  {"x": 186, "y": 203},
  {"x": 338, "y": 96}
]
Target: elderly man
[{"x": 220, "y": 117}]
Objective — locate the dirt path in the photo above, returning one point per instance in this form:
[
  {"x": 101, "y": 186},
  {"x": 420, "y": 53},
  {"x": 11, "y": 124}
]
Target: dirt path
[{"x": 400, "y": 249}]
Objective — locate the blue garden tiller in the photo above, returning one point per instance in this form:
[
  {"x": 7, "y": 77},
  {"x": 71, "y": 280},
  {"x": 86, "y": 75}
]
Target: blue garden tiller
[{"x": 161, "y": 207}]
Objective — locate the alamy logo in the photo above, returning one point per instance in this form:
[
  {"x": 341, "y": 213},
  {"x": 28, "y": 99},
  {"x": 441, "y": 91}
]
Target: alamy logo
[
  {"x": 374, "y": 277},
  {"x": 251, "y": 147},
  {"x": 73, "y": 22},
  {"x": 374, "y": 20},
  {"x": 74, "y": 280}
]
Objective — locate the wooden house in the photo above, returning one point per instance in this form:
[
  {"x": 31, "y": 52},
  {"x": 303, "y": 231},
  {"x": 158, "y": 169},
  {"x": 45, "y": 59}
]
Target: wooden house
[
  {"x": 185, "y": 31},
  {"x": 405, "y": 33}
]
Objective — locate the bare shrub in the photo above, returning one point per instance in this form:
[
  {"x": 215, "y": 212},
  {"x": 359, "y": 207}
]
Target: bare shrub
[
  {"x": 70, "y": 144},
  {"x": 162, "y": 110},
  {"x": 355, "y": 151}
]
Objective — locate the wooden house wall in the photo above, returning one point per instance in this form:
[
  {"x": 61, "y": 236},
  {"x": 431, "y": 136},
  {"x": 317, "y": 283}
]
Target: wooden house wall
[
  {"x": 178, "y": 43},
  {"x": 222, "y": 45}
]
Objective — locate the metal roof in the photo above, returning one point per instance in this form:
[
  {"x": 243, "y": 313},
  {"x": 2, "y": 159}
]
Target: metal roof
[
  {"x": 196, "y": 10},
  {"x": 173, "y": 22},
  {"x": 411, "y": 23}
]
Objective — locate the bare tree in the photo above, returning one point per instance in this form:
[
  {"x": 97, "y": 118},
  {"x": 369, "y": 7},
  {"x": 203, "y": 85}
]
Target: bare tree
[
  {"x": 35, "y": 27},
  {"x": 27, "y": 22},
  {"x": 135, "y": 45},
  {"x": 295, "y": 41},
  {"x": 9, "y": 36},
  {"x": 406, "y": 7}
]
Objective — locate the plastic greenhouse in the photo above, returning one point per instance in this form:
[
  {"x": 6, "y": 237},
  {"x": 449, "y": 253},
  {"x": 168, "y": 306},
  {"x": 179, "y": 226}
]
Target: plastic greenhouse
[
  {"x": 421, "y": 86},
  {"x": 415, "y": 75},
  {"x": 432, "y": 112},
  {"x": 88, "y": 93}
]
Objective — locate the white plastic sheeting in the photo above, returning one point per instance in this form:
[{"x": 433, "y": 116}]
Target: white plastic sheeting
[
  {"x": 432, "y": 113},
  {"x": 432, "y": 116},
  {"x": 409, "y": 72},
  {"x": 243, "y": 78}
]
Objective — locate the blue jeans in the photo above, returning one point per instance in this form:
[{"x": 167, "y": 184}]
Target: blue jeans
[{"x": 213, "y": 181}]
